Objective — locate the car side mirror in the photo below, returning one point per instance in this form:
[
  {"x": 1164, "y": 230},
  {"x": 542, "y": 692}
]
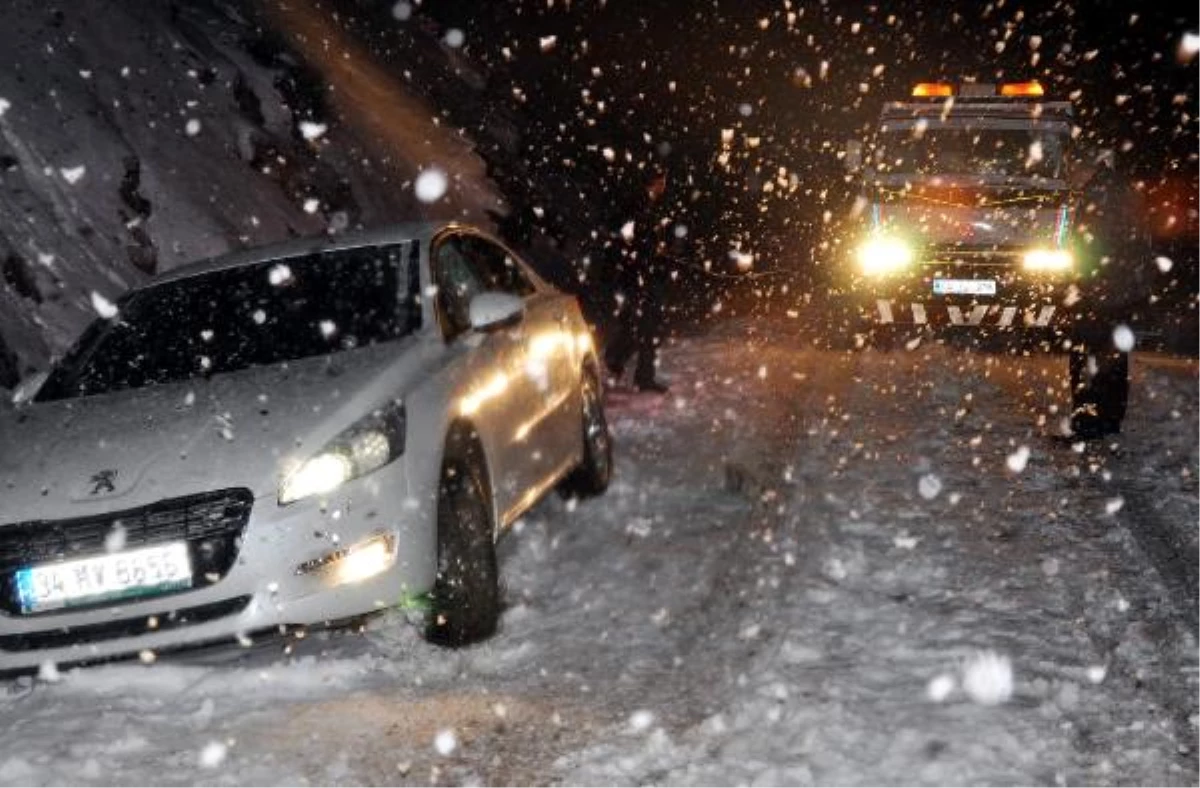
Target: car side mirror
[
  {"x": 492, "y": 310},
  {"x": 28, "y": 388}
]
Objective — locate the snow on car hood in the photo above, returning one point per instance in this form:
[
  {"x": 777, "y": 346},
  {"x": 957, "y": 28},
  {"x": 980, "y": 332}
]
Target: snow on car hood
[{"x": 122, "y": 450}]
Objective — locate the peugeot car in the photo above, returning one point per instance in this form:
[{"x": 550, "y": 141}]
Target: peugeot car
[{"x": 293, "y": 436}]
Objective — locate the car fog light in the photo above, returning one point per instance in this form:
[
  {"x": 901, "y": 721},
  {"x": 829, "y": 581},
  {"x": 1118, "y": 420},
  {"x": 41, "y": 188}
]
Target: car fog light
[{"x": 356, "y": 563}]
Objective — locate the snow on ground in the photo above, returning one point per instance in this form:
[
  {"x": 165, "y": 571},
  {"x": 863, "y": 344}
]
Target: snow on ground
[{"x": 812, "y": 568}]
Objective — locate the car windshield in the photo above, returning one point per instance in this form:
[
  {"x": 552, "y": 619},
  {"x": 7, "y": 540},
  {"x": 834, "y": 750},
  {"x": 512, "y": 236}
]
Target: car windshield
[
  {"x": 973, "y": 151},
  {"x": 233, "y": 319}
]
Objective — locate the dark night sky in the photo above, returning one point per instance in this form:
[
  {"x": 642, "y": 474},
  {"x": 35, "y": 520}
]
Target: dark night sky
[{"x": 1120, "y": 56}]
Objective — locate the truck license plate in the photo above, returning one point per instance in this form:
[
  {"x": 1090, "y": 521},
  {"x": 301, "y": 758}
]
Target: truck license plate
[
  {"x": 133, "y": 573},
  {"x": 964, "y": 287}
]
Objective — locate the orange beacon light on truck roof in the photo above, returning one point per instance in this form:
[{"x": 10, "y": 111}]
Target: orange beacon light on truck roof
[
  {"x": 932, "y": 89},
  {"x": 1022, "y": 89}
]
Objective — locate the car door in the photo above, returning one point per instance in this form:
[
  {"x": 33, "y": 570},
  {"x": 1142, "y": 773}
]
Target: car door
[
  {"x": 549, "y": 429},
  {"x": 494, "y": 393}
]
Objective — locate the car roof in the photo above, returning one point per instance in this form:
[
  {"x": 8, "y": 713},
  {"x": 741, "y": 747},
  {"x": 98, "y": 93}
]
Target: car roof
[{"x": 396, "y": 233}]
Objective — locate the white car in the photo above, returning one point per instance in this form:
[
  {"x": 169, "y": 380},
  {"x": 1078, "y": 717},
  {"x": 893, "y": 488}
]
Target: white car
[{"x": 292, "y": 436}]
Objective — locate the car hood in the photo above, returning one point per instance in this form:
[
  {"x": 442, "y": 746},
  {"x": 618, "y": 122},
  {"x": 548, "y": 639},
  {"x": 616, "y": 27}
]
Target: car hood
[
  {"x": 976, "y": 212},
  {"x": 126, "y": 449}
]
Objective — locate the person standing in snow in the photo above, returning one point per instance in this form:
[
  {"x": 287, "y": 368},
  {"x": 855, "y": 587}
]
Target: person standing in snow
[{"x": 642, "y": 276}]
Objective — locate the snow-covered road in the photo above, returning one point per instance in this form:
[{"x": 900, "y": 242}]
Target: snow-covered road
[{"x": 813, "y": 567}]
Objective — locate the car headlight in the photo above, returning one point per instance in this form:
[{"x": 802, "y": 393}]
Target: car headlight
[
  {"x": 884, "y": 255},
  {"x": 1048, "y": 260},
  {"x": 368, "y": 445}
]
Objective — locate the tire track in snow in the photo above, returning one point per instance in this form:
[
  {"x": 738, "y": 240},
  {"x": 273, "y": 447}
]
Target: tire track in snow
[{"x": 1151, "y": 571}]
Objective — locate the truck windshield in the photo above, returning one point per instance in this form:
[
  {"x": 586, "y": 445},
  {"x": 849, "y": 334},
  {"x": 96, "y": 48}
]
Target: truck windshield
[
  {"x": 1018, "y": 153},
  {"x": 232, "y": 319}
]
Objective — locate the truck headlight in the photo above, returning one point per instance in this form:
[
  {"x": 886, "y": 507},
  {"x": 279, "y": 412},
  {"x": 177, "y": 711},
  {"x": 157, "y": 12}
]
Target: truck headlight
[
  {"x": 368, "y": 445},
  {"x": 884, "y": 255},
  {"x": 1048, "y": 260}
]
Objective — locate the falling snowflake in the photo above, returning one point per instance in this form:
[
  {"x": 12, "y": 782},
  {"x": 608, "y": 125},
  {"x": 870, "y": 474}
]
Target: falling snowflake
[
  {"x": 73, "y": 175},
  {"x": 454, "y": 38},
  {"x": 1036, "y": 154},
  {"x": 743, "y": 260},
  {"x": 1164, "y": 263},
  {"x": 431, "y": 185},
  {"x": 1113, "y": 505},
  {"x": 5, "y": 105},
  {"x": 311, "y": 131},
  {"x": 1189, "y": 45},
  {"x": 213, "y": 755},
  {"x": 627, "y": 231},
  {"x": 641, "y": 720},
  {"x": 311, "y": 205},
  {"x": 192, "y": 128},
  {"x": 402, "y": 11},
  {"x": 328, "y": 328},
  {"x": 279, "y": 275},
  {"x": 1017, "y": 461},
  {"x": 114, "y": 540},
  {"x": 105, "y": 308},
  {"x": 988, "y": 678},
  {"x": 930, "y": 486},
  {"x": 547, "y": 43},
  {"x": 940, "y": 688},
  {"x": 1123, "y": 338},
  {"x": 445, "y": 742}
]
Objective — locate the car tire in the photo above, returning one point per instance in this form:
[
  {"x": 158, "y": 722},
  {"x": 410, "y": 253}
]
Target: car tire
[
  {"x": 465, "y": 601},
  {"x": 1099, "y": 398},
  {"x": 594, "y": 472}
]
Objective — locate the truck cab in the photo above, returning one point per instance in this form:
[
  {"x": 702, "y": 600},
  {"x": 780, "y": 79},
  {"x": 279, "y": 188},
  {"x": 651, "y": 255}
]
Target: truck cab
[{"x": 966, "y": 220}]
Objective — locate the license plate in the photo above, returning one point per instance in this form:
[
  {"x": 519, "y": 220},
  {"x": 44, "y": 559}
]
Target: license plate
[
  {"x": 133, "y": 573},
  {"x": 964, "y": 287}
]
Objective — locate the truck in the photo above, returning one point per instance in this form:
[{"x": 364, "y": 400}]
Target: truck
[{"x": 974, "y": 215}]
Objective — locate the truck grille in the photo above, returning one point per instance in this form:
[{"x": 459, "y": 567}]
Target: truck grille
[
  {"x": 998, "y": 258},
  {"x": 211, "y": 524}
]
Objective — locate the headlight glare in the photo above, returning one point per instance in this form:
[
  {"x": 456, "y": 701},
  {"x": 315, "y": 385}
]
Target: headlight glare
[
  {"x": 884, "y": 255},
  {"x": 319, "y": 475},
  {"x": 1048, "y": 260},
  {"x": 370, "y": 444}
]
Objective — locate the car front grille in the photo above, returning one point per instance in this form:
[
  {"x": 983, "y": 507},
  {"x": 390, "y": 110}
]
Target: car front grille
[
  {"x": 122, "y": 628},
  {"x": 210, "y": 523}
]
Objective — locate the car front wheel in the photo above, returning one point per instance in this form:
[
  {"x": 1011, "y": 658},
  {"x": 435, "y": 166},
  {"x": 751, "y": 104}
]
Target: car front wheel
[{"x": 465, "y": 602}]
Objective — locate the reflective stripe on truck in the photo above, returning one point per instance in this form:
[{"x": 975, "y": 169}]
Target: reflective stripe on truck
[{"x": 1002, "y": 315}]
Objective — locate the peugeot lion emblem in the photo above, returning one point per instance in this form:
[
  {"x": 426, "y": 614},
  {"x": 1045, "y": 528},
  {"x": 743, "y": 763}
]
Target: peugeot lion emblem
[{"x": 103, "y": 481}]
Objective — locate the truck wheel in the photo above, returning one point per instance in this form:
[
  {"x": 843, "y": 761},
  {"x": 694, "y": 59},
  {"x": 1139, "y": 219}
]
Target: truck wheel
[{"x": 1099, "y": 392}]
